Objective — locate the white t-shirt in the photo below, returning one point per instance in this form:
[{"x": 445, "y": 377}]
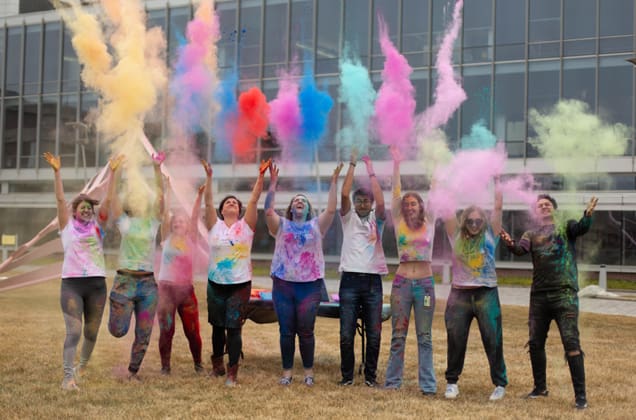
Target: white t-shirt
[
  {"x": 362, "y": 244},
  {"x": 83, "y": 250},
  {"x": 176, "y": 260},
  {"x": 230, "y": 252}
]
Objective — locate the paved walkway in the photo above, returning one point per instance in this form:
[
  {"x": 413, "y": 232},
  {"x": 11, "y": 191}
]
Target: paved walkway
[{"x": 518, "y": 296}]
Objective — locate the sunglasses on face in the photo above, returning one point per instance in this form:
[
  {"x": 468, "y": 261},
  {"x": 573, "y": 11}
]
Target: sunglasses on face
[{"x": 474, "y": 222}]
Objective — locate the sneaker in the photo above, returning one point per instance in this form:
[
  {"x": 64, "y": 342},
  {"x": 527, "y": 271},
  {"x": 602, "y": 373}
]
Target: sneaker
[
  {"x": 535, "y": 393},
  {"x": 498, "y": 393},
  {"x": 581, "y": 403},
  {"x": 285, "y": 381},
  {"x": 68, "y": 384},
  {"x": 198, "y": 368},
  {"x": 371, "y": 383},
  {"x": 165, "y": 371},
  {"x": 452, "y": 391},
  {"x": 346, "y": 382},
  {"x": 309, "y": 381}
]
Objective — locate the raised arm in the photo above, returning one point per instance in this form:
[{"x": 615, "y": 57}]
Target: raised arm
[
  {"x": 157, "y": 160},
  {"x": 496, "y": 217},
  {"x": 196, "y": 211},
  {"x": 251, "y": 213},
  {"x": 376, "y": 190},
  {"x": 210, "y": 212},
  {"x": 521, "y": 248},
  {"x": 271, "y": 218},
  {"x": 326, "y": 217},
  {"x": 62, "y": 209},
  {"x": 581, "y": 227},
  {"x": 396, "y": 202},
  {"x": 105, "y": 207},
  {"x": 345, "y": 200},
  {"x": 165, "y": 219}
]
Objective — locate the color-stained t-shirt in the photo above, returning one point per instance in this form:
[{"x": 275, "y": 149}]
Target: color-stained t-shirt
[
  {"x": 553, "y": 252},
  {"x": 176, "y": 260},
  {"x": 230, "y": 252},
  {"x": 415, "y": 245},
  {"x": 83, "y": 250},
  {"x": 362, "y": 244},
  {"x": 137, "y": 249},
  {"x": 474, "y": 260},
  {"x": 298, "y": 253}
]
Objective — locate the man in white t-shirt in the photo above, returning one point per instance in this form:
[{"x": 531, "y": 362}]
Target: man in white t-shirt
[{"x": 362, "y": 265}]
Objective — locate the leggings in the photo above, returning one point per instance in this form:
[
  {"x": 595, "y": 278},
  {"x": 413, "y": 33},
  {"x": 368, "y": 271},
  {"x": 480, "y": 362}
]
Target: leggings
[
  {"x": 138, "y": 294},
  {"x": 178, "y": 298}
]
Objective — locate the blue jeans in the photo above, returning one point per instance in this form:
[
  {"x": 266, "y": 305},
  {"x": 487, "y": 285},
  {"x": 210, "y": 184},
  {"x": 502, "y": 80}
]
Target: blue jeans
[
  {"x": 360, "y": 294},
  {"x": 462, "y": 306},
  {"x": 418, "y": 294},
  {"x": 296, "y": 306}
]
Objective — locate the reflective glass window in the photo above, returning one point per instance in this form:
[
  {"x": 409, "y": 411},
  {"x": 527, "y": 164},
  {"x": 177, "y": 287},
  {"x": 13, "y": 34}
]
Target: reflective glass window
[
  {"x": 157, "y": 17},
  {"x": 442, "y": 16},
  {"x": 250, "y": 39},
  {"x": 510, "y": 29},
  {"x": 579, "y": 27},
  {"x": 13, "y": 60},
  {"x": 51, "y": 67},
  {"x": 68, "y": 114},
  {"x": 477, "y": 84},
  {"x": 10, "y": 133},
  {"x": 226, "y": 47},
  {"x": 389, "y": 10},
  {"x": 70, "y": 65},
  {"x": 276, "y": 40},
  {"x": 87, "y": 135},
  {"x": 579, "y": 80},
  {"x": 616, "y": 25},
  {"x": 28, "y": 150},
  {"x": 328, "y": 36},
  {"x": 543, "y": 91},
  {"x": 48, "y": 123},
  {"x": 356, "y": 29},
  {"x": 2, "y": 49},
  {"x": 616, "y": 90},
  {"x": 415, "y": 32},
  {"x": 302, "y": 29},
  {"x": 478, "y": 31},
  {"x": 177, "y": 21},
  {"x": 327, "y": 148},
  {"x": 629, "y": 239},
  {"x": 544, "y": 28},
  {"x": 32, "y": 59},
  {"x": 509, "y": 107}
]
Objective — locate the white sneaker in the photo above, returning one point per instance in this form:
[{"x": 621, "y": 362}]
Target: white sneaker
[
  {"x": 452, "y": 391},
  {"x": 498, "y": 393}
]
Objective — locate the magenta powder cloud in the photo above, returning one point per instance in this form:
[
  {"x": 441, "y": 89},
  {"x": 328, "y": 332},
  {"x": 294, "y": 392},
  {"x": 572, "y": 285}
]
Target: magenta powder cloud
[
  {"x": 395, "y": 103},
  {"x": 285, "y": 117}
]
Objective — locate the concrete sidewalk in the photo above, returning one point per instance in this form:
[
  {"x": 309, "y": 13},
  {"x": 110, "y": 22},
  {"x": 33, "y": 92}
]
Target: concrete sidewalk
[{"x": 518, "y": 296}]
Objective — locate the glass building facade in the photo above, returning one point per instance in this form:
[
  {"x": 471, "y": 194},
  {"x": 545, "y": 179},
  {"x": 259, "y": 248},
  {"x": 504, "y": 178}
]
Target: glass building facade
[{"x": 512, "y": 55}]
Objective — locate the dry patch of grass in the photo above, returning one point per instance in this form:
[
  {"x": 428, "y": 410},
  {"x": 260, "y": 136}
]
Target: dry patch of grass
[{"x": 31, "y": 373}]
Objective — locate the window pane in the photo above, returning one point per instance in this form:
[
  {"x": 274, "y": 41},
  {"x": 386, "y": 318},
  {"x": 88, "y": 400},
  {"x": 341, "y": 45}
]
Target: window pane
[
  {"x": 389, "y": 11},
  {"x": 510, "y": 35},
  {"x": 32, "y": 60},
  {"x": 615, "y": 90},
  {"x": 276, "y": 39},
  {"x": 579, "y": 19},
  {"x": 629, "y": 227},
  {"x": 157, "y": 17},
  {"x": 579, "y": 77},
  {"x": 509, "y": 109},
  {"x": 356, "y": 30},
  {"x": 477, "y": 106},
  {"x": 616, "y": 25},
  {"x": 329, "y": 36},
  {"x": 478, "y": 31},
  {"x": 51, "y": 70},
  {"x": 229, "y": 34},
  {"x": 302, "y": 29},
  {"x": 70, "y": 66},
  {"x": 10, "y": 134},
  {"x": 2, "y": 50},
  {"x": 327, "y": 146},
  {"x": 179, "y": 18},
  {"x": 48, "y": 123},
  {"x": 250, "y": 39},
  {"x": 415, "y": 32},
  {"x": 12, "y": 72},
  {"x": 87, "y": 135},
  {"x": 545, "y": 20},
  {"x": 28, "y": 151},
  {"x": 543, "y": 91},
  {"x": 68, "y": 113},
  {"x": 442, "y": 16}
]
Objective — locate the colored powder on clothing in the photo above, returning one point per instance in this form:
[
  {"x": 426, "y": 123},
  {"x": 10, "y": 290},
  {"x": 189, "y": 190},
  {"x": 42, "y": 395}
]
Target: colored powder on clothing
[
  {"x": 395, "y": 103},
  {"x": 449, "y": 94},
  {"x": 285, "y": 114},
  {"x": 314, "y": 110},
  {"x": 357, "y": 93},
  {"x": 253, "y": 121}
]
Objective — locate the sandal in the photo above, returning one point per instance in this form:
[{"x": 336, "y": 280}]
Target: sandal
[
  {"x": 309, "y": 381},
  {"x": 285, "y": 381}
]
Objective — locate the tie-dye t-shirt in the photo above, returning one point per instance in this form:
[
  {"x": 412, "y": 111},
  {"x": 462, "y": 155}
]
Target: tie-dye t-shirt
[
  {"x": 176, "y": 260},
  {"x": 230, "y": 252},
  {"x": 415, "y": 245},
  {"x": 362, "y": 244},
  {"x": 137, "y": 249},
  {"x": 83, "y": 250},
  {"x": 474, "y": 260},
  {"x": 298, "y": 254}
]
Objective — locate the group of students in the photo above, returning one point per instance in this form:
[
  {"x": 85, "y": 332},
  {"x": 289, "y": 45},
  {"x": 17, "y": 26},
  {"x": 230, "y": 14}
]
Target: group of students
[{"x": 297, "y": 272}]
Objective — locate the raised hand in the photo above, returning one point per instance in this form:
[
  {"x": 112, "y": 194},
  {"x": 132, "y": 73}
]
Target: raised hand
[
  {"x": 367, "y": 161},
  {"x": 336, "y": 172},
  {"x": 158, "y": 158},
  {"x": 52, "y": 160},
  {"x": 505, "y": 237},
  {"x": 207, "y": 167},
  {"x": 591, "y": 206},
  {"x": 265, "y": 164},
  {"x": 115, "y": 162},
  {"x": 201, "y": 189},
  {"x": 273, "y": 172},
  {"x": 395, "y": 153}
]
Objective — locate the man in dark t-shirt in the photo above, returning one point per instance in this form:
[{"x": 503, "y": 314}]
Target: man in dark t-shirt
[{"x": 553, "y": 294}]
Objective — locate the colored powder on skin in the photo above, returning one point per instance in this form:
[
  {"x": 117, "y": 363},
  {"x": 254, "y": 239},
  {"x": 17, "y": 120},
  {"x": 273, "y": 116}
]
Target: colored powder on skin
[
  {"x": 227, "y": 117},
  {"x": 449, "y": 94},
  {"x": 129, "y": 85},
  {"x": 285, "y": 114},
  {"x": 314, "y": 110},
  {"x": 357, "y": 93},
  {"x": 253, "y": 121},
  {"x": 395, "y": 103}
]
